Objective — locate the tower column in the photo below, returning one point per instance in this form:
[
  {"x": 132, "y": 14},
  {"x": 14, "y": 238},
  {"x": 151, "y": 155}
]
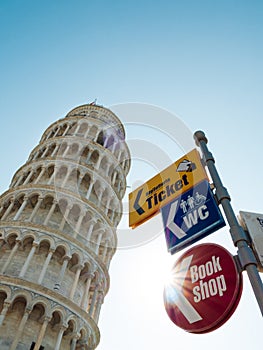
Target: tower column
[
  {"x": 22, "y": 207},
  {"x": 81, "y": 216},
  {"x": 50, "y": 212},
  {"x": 91, "y": 225},
  {"x": 119, "y": 156},
  {"x": 119, "y": 186},
  {"x": 65, "y": 217},
  {"x": 112, "y": 214},
  {"x": 100, "y": 193},
  {"x": 86, "y": 133},
  {"x": 75, "y": 283},
  {"x": 31, "y": 173},
  {"x": 37, "y": 206},
  {"x": 40, "y": 174},
  {"x": 48, "y": 135},
  {"x": 64, "y": 182},
  {"x": 79, "y": 181},
  {"x": 108, "y": 205},
  {"x": 74, "y": 341},
  {"x": 97, "y": 166},
  {"x": 12, "y": 253},
  {"x": 44, "y": 153},
  {"x": 56, "y": 132},
  {"x": 107, "y": 168},
  {"x": 97, "y": 135},
  {"x": 62, "y": 272},
  {"x": 89, "y": 155},
  {"x": 8, "y": 210},
  {"x": 66, "y": 130},
  {"x": 99, "y": 302},
  {"x": 113, "y": 148},
  {"x": 85, "y": 299},
  {"x": 90, "y": 188},
  {"x": 94, "y": 298},
  {"x": 114, "y": 178},
  {"x": 20, "y": 329},
  {"x": 51, "y": 179},
  {"x": 55, "y": 151},
  {"x": 4, "y": 312},
  {"x": 98, "y": 241},
  {"x": 42, "y": 333},
  {"x": 35, "y": 156},
  {"x": 29, "y": 257},
  {"x": 44, "y": 269},
  {"x": 59, "y": 337},
  {"x": 105, "y": 141},
  {"x": 17, "y": 183},
  {"x": 65, "y": 151},
  {"x": 105, "y": 249}
]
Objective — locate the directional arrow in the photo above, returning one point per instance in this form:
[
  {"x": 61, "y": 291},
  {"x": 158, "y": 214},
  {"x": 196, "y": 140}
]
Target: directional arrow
[
  {"x": 171, "y": 225},
  {"x": 136, "y": 204},
  {"x": 179, "y": 299}
]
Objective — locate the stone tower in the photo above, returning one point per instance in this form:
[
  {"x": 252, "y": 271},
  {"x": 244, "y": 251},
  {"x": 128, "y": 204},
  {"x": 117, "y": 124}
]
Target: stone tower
[{"x": 58, "y": 224}]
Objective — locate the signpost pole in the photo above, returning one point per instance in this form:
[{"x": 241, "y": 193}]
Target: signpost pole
[{"x": 239, "y": 237}]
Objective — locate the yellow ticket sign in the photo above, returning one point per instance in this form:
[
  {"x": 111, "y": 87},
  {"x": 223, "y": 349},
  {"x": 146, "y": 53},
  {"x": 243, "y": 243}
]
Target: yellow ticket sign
[{"x": 161, "y": 189}]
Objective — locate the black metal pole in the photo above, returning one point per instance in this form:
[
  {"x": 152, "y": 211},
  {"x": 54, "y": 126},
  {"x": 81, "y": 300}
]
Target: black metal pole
[{"x": 239, "y": 237}]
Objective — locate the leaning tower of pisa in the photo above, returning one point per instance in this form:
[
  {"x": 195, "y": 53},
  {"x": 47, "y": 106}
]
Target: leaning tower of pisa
[{"x": 58, "y": 224}]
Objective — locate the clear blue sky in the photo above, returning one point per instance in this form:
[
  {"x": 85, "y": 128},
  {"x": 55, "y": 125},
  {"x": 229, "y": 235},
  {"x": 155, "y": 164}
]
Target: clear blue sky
[{"x": 200, "y": 60}]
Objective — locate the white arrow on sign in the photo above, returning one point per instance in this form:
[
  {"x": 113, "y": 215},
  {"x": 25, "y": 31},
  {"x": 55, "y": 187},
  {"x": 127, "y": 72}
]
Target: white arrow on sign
[
  {"x": 180, "y": 300},
  {"x": 171, "y": 225}
]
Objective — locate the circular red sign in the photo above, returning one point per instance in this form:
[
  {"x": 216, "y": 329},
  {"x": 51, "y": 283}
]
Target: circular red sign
[{"x": 204, "y": 290}]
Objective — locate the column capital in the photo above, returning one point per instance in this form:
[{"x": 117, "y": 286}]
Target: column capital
[
  {"x": 28, "y": 310},
  {"x": 80, "y": 266},
  {"x": 101, "y": 294},
  {"x": 88, "y": 275},
  {"x": 82, "y": 213},
  {"x": 46, "y": 319},
  {"x": 97, "y": 286},
  {"x": 6, "y": 304},
  {"x": 92, "y": 269},
  {"x": 93, "y": 219},
  {"x": 66, "y": 257},
  {"x": 92, "y": 179},
  {"x": 75, "y": 335},
  {"x": 100, "y": 190},
  {"x": 100, "y": 230},
  {"x": 63, "y": 326},
  {"x": 106, "y": 242},
  {"x": 51, "y": 250},
  {"x": 69, "y": 206},
  {"x": 91, "y": 274}
]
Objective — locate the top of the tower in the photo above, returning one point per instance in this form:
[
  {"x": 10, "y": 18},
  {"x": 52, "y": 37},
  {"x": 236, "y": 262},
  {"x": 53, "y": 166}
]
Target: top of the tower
[{"x": 93, "y": 110}]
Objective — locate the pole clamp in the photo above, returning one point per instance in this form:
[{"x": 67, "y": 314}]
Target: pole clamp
[
  {"x": 238, "y": 234},
  {"x": 246, "y": 256},
  {"x": 222, "y": 193}
]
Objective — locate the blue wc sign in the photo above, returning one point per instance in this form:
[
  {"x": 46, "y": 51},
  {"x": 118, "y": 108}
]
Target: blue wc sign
[{"x": 190, "y": 217}]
